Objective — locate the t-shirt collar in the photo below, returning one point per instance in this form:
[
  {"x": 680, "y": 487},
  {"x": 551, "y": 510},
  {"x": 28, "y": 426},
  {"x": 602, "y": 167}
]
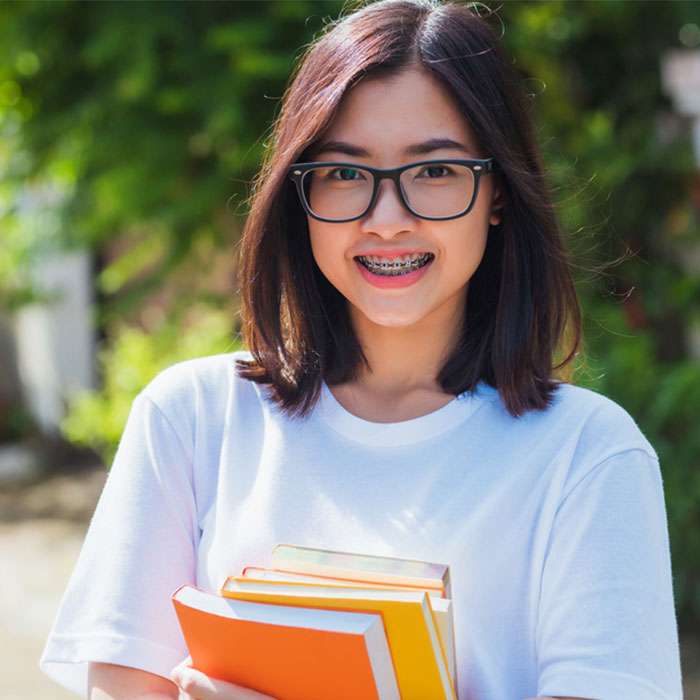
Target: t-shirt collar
[{"x": 404, "y": 432}]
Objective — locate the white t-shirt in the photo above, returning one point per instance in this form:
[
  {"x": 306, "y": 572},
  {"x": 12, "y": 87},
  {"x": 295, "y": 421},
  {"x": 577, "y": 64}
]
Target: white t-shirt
[{"x": 553, "y": 525}]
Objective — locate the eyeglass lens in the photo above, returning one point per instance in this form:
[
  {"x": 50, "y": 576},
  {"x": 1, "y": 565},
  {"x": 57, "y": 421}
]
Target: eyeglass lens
[{"x": 437, "y": 189}]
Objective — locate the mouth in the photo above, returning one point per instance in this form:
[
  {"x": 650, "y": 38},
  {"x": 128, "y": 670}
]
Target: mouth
[{"x": 397, "y": 268}]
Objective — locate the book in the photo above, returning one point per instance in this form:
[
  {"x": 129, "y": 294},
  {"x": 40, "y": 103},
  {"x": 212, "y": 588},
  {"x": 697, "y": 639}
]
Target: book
[
  {"x": 378, "y": 569},
  {"x": 283, "y": 574},
  {"x": 442, "y": 607},
  {"x": 287, "y": 652},
  {"x": 419, "y": 659},
  {"x": 362, "y": 567},
  {"x": 410, "y": 597}
]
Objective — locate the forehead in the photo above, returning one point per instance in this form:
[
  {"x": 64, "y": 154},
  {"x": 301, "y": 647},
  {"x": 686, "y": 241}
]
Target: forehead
[{"x": 385, "y": 115}]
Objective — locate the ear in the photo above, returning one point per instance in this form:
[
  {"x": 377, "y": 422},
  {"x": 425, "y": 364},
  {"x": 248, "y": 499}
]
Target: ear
[{"x": 496, "y": 206}]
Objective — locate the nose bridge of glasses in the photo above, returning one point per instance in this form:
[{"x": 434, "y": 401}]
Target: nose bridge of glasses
[{"x": 390, "y": 181}]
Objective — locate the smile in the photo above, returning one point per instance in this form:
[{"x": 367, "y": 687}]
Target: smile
[
  {"x": 397, "y": 267},
  {"x": 388, "y": 275}
]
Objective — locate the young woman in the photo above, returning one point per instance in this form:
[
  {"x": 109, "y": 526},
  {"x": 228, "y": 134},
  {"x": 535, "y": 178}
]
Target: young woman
[{"x": 405, "y": 294}]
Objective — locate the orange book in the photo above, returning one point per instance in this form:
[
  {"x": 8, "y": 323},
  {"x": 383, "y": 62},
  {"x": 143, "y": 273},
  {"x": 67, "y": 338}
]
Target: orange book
[{"x": 288, "y": 652}]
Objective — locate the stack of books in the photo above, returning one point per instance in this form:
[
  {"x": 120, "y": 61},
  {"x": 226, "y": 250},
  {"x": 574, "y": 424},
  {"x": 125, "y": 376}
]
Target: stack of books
[{"x": 322, "y": 624}]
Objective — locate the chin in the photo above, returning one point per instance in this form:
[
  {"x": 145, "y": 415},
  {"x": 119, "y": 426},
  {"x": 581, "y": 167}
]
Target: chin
[{"x": 393, "y": 320}]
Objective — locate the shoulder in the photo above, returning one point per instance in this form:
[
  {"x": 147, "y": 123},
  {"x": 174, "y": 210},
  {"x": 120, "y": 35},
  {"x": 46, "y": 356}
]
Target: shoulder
[
  {"x": 581, "y": 433},
  {"x": 204, "y": 373},
  {"x": 201, "y": 386},
  {"x": 603, "y": 423},
  {"x": 592, "y": 432},
  {"x": 580, "y": 430}
]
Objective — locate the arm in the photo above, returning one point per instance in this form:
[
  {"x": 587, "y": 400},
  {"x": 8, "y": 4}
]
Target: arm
[
  {"x": 113, "y": 682},
  {"x": 140, "y": 546},
  {"x": 606, "y": 624}
]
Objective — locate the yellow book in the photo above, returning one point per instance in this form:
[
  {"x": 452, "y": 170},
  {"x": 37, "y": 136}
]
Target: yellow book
[
  {"x": 442, "y": 607},
  {"x": 418, "y": 656},
  {"x": 379, "y": 570}
]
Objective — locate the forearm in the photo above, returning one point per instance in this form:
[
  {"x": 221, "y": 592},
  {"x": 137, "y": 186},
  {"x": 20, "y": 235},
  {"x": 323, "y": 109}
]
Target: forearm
[
  {"x": 114, "y": 682},
  {"x": 100, "y": 694},
  {"x": 558, "y": 697}
]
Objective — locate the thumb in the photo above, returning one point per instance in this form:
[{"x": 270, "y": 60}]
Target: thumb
[{"x": 175, "y": 674}]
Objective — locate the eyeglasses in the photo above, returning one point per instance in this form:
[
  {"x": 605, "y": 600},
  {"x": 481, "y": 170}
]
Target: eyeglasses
[{"x": 437, "y": 190}]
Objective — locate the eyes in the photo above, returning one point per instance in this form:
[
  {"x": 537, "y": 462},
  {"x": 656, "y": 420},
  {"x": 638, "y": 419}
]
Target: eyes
[
  {"x": 343, "y": 171},
  {"x": 346, "y": 174}
]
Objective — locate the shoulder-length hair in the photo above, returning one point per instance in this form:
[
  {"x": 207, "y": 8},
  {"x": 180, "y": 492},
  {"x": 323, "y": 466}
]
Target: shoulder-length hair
[{"x": 522, "y": 302}]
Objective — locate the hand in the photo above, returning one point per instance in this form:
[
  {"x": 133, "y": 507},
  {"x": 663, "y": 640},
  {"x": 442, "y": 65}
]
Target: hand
[{"x": 195, "y": 685}]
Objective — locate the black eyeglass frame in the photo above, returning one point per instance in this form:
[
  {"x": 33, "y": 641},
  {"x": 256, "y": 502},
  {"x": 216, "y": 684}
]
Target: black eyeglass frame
[{"x": 478, "y": 166}]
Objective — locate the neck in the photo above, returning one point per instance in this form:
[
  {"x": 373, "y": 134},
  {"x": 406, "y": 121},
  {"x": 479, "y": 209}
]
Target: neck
[{"x": 408, "y": 359}]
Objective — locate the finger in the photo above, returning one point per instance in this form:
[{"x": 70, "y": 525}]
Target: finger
[
  {"x": 203, "y": 687},
  {"x": 177, "y": 670},
  {"x": 186, "y": 662}
]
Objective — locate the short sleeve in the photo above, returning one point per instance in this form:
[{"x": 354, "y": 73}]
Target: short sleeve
[
  {"x": 139, "y": 548},
  {"x": 606, "y": 626}
]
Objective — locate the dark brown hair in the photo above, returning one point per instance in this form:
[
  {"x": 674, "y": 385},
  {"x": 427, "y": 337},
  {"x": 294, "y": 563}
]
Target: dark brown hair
[{"x": 522, "y": 301}]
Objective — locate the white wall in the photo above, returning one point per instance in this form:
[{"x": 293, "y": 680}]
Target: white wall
[{"x": 56, "y": 342}]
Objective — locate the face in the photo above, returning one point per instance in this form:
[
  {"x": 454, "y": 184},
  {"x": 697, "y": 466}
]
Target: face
[{"x": 384, "y": 117}]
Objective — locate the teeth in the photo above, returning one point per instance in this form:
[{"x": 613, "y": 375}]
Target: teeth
[
  {"x": 403, "y": 259},
  {"x": 395, "y": 265}
]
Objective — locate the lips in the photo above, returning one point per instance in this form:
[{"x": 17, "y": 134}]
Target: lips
[{"x": 388, "y": 282}]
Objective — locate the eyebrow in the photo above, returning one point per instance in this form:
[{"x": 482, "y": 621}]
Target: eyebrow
[{"x": 415, "y": 149}]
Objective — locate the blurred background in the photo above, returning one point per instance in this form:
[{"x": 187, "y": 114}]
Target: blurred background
[{"x": 129, "y": 135}]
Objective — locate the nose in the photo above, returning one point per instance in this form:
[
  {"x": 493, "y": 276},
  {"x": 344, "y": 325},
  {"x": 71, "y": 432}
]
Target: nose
[{"x": 388, "y": 211}]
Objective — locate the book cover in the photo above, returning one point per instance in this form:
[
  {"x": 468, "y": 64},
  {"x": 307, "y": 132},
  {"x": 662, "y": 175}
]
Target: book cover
[{"x": 287, "y": 652}]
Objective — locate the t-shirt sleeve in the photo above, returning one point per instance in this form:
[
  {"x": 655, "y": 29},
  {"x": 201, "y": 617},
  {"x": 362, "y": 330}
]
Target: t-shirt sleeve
[
  {"x": 139, "y": 548},
  {"x": 606, "y": 626}
]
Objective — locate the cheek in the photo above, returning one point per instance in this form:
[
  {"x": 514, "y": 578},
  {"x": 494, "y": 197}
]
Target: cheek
[
  {"x": 327, "y": 249},
  {"x": 317, "y": 242},
  {"x": 464, "y": 251}
]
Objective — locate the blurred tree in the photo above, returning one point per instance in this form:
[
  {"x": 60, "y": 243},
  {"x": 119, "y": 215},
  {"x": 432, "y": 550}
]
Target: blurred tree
[
  {"x": 137, "y": 120},
  {"x": 139, "y": 125}
]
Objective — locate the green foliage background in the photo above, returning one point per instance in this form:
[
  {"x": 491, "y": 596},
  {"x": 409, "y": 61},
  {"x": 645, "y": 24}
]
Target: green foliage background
[{"x": 143, "y": 123}]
